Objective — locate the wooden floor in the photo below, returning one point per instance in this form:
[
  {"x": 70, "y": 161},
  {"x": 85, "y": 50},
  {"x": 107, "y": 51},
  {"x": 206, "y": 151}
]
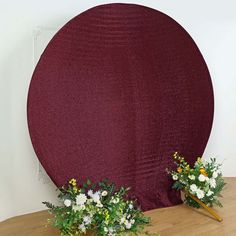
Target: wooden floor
[{"x": 178, "y": 220}]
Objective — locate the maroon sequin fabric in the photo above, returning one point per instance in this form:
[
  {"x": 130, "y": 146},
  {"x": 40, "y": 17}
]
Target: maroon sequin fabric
[{"x": 119, "y": 89}]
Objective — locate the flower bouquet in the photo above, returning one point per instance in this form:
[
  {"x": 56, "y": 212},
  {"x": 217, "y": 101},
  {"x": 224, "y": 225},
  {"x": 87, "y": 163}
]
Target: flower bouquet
[
  {"x": 201, "y": 184},
  {"x": 96, "y": 208}
]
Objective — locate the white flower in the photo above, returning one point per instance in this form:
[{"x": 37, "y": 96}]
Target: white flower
[
  {"x": 67, "y": 202},
  {"x": 131, "y": 206},
  {"x": 104, "y": 193},
  {"x": 175, "y": 177},
  {"x": 127, "y": 224},
  {"x": 132, "y": 221},
  {"x": 122, "y": 220},
  {"x": 212, "y": 183},
  {"x": 110, "y": 233},
  {"x": 215, "y": 174},
  {"x": 99, "y": 204},
  {"x": 209, "y": 193},
  {"x": 90, "y": 193},
  {"x": 110, "y": 230},
  {"x": 193, "y": 188},
  {"x": 115, "y": 200},
  {"x": 200, "y": 193},
  {"x": 81, "y": 199},
  {"x": 192, "y": 177},
  {"x": 96, "y": 197},
  {"x": 201, "y": 178},
  {"x": 112, "y": 200},
  {"x": 105, "y": 229},
  {"x": 87, "y": 220},
  {"x": 82, "y": 228}
]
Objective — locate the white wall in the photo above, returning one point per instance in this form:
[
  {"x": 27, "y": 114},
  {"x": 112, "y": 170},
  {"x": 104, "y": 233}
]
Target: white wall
[{"x": 211, "y": 23}]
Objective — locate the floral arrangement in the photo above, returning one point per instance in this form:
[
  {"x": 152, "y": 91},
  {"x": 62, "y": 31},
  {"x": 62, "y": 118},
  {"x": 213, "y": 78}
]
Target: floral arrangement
[
  {"x": 96, "y": 208},
  {"x": 203, "y": 181}
]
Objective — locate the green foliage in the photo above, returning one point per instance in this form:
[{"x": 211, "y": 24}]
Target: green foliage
[
  {"x": 204, "y": 180},
  {"x": 99, "y": 208}
]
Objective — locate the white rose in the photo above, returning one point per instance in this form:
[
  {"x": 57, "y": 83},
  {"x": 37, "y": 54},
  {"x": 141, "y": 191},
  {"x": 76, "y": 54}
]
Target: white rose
[
  {"x": 201, "y": 178},
  {"x": 193, "y": 188},
  {"x": 128, "y": 225},
  {"x": 200, "y": 193},
  {"x": 212, "y": 183},
  {"x": 67, "y": 202},
  {"x": 104, "y": 193},
  {"x": 175, "y": 177},
  {"x": 209, "y": 193},
  {"x": 215, "y": 174},
  {"x": 81, "y": 199}
]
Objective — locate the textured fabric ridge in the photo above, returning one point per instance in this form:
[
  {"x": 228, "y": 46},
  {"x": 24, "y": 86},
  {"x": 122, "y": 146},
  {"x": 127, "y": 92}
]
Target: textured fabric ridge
[{"x": 119, "y": 89}]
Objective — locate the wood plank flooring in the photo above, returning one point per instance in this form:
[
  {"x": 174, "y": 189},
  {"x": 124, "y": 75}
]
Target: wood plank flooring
[{"x": 178, "y": 220}]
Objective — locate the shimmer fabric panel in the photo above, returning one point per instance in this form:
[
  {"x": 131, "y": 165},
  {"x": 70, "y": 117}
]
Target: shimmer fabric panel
[{"x": 119, "y": 89}]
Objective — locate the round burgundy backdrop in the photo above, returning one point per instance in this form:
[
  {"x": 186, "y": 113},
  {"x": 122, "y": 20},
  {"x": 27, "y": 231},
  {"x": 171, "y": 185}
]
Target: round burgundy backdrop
[{"x": 119, "y": 89}]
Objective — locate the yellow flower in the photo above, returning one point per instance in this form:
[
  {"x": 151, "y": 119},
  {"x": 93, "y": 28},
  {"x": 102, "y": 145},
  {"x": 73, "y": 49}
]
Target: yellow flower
[
  {"x": 187, "y": 168},
  {"x": 73, "y": 182},
  {"x": 179, "y": 169},
  {"x": 203, "y": 171},
  {"x": 175, "y": 155}
]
